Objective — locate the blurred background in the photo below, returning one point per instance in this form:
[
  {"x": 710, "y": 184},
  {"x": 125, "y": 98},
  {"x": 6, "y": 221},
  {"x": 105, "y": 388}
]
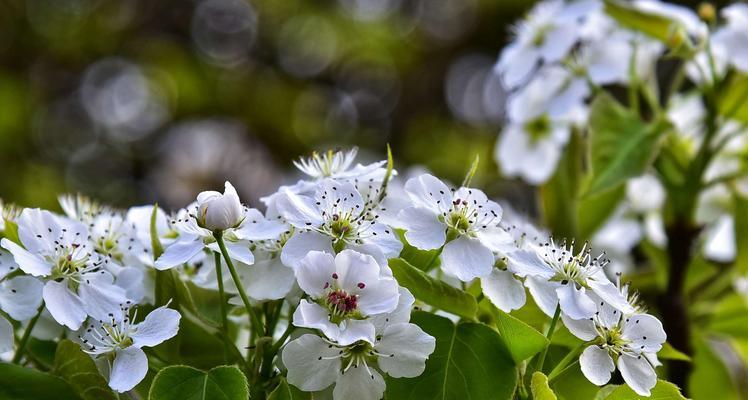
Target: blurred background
[{"x": 141, "y": 101}]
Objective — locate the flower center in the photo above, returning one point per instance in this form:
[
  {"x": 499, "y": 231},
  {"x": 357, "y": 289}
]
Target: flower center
[
  {"x": 538, "y": 128},
  {"x": 68, "y": 261},
  {"x": 340, "y": 303}
]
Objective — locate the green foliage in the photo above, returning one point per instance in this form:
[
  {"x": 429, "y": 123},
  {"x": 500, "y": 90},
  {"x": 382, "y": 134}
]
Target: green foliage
[
  {"x": 284, "y": 391},
  {"x": 79, "y": 370},
  {"x": 432, "y": 291},
  {"x": 186, "y": 383},
  {"x": 731, "y": 102},
  {"x": 11, "y": 231},
  {"x": 522, "y": 340},
  {"x": 656, "y": 26},
  {"x": 539, "y": 387},
  {"x": 622, "y": 145},
  {"x": 668, "y": 352},
  {"x": 710, "y": 378},
  {"x": 425, "y": 260},
  {"x": 20, "y": 383},
  {"x": 662, "y": 391},
  {"x": 470, "y": 362},
  {"x": 559, "y": 196}
]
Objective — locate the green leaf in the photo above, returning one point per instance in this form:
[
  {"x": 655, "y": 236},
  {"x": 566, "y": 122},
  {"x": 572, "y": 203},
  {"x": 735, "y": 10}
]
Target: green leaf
[
  {"x": 470, "y": 362},
  {"x": 653, "y": 25},
  {"x": 668, "y": 352},
  {"x": 20, "y": 383},
  {"x": 593, "y": 211},
  {"x": 284, "y": 391},
  {"x": 741, "y": 233},
  {"x": 432, "y": 291},
  {"x": 539, "y": 387},
  {"x": 186, "y": 383},
  {"x": 11, "y": 231},
  {"x": 425, "y": 260},
  {"x": 522, "y": 340},
  {"x": 560, "y": 195},
  {"x": 711, "y": 378},
  {"x": 158, "y": 249},
  {"x": 79, "y": 370},
  {"x": 732, "y": 99},
  {"x": 662, "y": 391},
  {"x": 622, "y": 145}
]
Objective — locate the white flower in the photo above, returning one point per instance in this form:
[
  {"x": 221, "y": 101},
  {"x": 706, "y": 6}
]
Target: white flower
[
  {"x": 337, "y": 165},
  {"x": 555, "y": 275},
  {"x": 57, "y": 250},
  {"x": 645, "y": 193},
  {"x": 464, "y": 222},
  {"x": 193, "y": 238},
  {"x": 629, "y": 341},
  {"x": 733, "y": 37},
  {"x": 400, "y": 349},
  {"x": 720, "y": 243},
  {"x": 344, "y": 291},
  {"x": 80, "y": 207},
  {"x": 20, "y": 298},
  {"x": 218, "y": 212},
  {"x": 541, "y": 116},
  {"x": 546, "y": 35},
  {"x": 336, "y": 218},
  {"x": 119, "y": 336}
]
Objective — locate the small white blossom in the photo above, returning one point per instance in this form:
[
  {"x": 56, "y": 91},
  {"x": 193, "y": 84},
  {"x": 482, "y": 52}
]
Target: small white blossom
[{"x": 218, "y": 212}]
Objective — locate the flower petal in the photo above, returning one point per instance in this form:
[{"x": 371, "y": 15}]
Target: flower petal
[
  {"x": 574, "y": 301},
  {"x": 644, "y": 332},
  {"x": 503, "y": 289},
  {"x": 238, "y": 251},
  {"x": 179, "y": 253},
  {"x": 160, "y": 325},
  {"x": 467, "y": 259},
  {"x": 300, "y": 244},
  {"x": 314, "y": 273},
  {"x": 300, "y": 211},
  {"x": 354, "y": 330},
  {"x": 528, "y": 263},
  {"x": 581, "y": 328},
  {"x": 257, "y": 227},
  {"x": 269, "y": 280},
  {"x": 408, "y": 348},
  {"x": 638, "y": 373},
  {"x": 129, "y": 368},
  {"x": 311, "y": 363},
  {"x": 29, "y": 263},
  {"x": 422, "y": 228},
  {"x": 313, "y": 316},
  {"x": 99, "y": 297},
  {"x": 359, "y": 383},
  {"x": 6, "y": 335},
  {"x": 20, "y": 297},
  {"x": 544, "y": 293},
  {"x": 609, "y": 293},
  {"x": 597, "y": 365},
  {"x": 65, "y": 306}
]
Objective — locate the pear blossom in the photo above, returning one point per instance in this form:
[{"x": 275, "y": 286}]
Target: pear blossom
[
  {"x": 194, "y": 235},
  {"x": 464, "y": 222},
  {"x": 58, "y": 251},
  {"x": 733, "y": 36},
  {"x": 20, "y": 297},
  {"x": 628, "y": 341},
  {"x": 556, "y": 276},
  {"x": 343, "y": 291},
  {"x": 399, "y": 349},
  {"x": 217, "y": 212},
  {"x": 120, "y": 338},
  {"x": 336, "y": 218}
]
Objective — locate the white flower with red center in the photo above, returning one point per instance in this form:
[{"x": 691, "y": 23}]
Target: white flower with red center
[
  {"x": 556, "y": 275},
  {"x": 336, "y": 218},
  {"x": 464, "y": 222},
  {"x": 215, "y": 213},
  {"x": 344, "y": 291},
  {"x": 628, "y": 341},
  {"x": 399, "y": 349},
  {"x": 58, "y": 250},
  {"x": 122, "y": 340}
]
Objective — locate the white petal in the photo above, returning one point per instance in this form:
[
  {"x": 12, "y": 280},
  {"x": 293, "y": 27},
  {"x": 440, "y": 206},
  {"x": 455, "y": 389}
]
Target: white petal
[
  {"x": 29, "y": 263},
  {"x": 312, "y": 315},
  {"x": 422, "y": 228},
  {"x": 300, "y": 244},
  {"x": 337, "y": 197},
  {"x": 132, "y": 280},
  {"x": 178, "y": 253},
  {"x": 257, "y": 227},
  {"x": 20, "y": 297},
  {"x": 160, "y": 325},
  {"x": 314, "y": 273},
  {"x": 6, "y": 335},
  {"x": 360, "y": 275},
  {"x": 238, "y": 251},
  {"x": 597, "y": 365},
  {"x": 504, "y": 290},
  {"x": 408, "y": 347},
  {"x": 299, "y": 211},
  {"x": 581, "y": 328},
  {"x": 645, "y": 333},
  {"x": 384, "y": 238},
  {"x": 129, "y": 368},
  {"x": 609, "y": 293},
  {"x": 269, "y": 280},
  {"x": 100, "y": 298},
  {"x": 529, "y": 263},
  {"x": 65, "y": 306},
  {"x": 310, "y": 363},
  {"x": 359, "y": 383},
  {"x": 574, "y": 301},
  {"x": 467, "y": 259},
  {"x": 401, "y": 314},
  {"x": 354, "y": 330},
  {"x": 544, "y": 294},
  {"x": 638, "y": 373},
  {"x": 429, "y": 192},
  {"x": 496, "y": 239},
  {"x": 7, "y": 263}
]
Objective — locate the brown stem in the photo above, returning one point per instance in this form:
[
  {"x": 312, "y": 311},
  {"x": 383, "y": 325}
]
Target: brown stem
[{"x": 673, "y": 302}]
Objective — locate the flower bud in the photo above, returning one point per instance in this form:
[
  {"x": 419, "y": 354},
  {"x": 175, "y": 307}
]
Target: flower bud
[
  {"x": 707, "y": 12},
  {"x": 216, "y": 211}
]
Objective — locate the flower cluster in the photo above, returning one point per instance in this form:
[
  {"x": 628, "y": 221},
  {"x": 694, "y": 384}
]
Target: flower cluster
[{"x": 315, "y": 262}]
